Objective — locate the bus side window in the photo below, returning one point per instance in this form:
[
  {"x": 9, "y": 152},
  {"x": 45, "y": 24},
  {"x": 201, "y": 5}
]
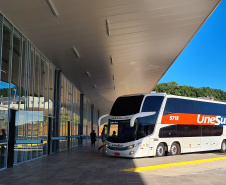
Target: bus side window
[
  {"x": 217, "y": 130},
  {"x": 168, "y": 131},
  {"x": 208, "y": 108},
  {"x": 207, "y": 130},
  {"x": 221, "y": 109},
  {"x": 188, "y": 106},
  {"x": 152, "y": 103},
  {"x": 183, "y": 130},
  {"x": 146, "y": 126},
  {"x": 172, "y": 106}
]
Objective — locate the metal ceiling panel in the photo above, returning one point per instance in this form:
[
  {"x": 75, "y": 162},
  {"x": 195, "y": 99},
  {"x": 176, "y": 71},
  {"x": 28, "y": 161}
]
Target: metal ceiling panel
[{"x": 145, "y": 38}]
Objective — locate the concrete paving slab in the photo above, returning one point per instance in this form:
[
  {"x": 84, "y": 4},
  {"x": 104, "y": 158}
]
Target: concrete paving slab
[{"x": 87, "y": 165}]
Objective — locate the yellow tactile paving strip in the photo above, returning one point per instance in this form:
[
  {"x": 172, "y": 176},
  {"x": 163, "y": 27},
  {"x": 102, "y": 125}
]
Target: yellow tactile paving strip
[{"x": 172, "y": 164}]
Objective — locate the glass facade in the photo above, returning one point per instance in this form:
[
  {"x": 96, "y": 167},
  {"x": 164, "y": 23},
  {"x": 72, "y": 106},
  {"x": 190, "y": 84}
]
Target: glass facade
[
  {"x": 28, "y": 86},
  {"x": 6, "y": 34},
  {"x": 95, "y": 120},
  {"x": 86, "y": 117},
  {"x": 75, "y": 117}
]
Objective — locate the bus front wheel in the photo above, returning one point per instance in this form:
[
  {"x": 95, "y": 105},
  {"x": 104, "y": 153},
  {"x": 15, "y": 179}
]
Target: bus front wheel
[
  {"x": 175, "y": 149},
  {"x": 160, "y": 150},
  {"x": 223, "y": 146}
]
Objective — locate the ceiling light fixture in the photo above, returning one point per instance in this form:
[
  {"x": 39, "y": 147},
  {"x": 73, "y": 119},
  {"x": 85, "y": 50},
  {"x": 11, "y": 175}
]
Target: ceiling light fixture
[
  {"x": 114, "y": 88},
  {"x": 51, "y": 6},
  {"x": 94, "y": 86},
  {"x": 3, "y": 71},
  {"x": 107, "y": 27},
  {"x": 88, "y": 74},
  {"x": 111, "y": 60},
  {"x": 76, "y": 52}
]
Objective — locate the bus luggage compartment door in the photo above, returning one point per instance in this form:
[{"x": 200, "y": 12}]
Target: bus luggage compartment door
[
  {"x": 144, "y": 147},
  {"x": 205, "y": 143}
]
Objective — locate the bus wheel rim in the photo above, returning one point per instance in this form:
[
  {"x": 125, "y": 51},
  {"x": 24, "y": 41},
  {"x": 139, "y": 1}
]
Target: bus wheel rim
[
  {"x": 174, "y": 150},
  {"x": 224, "y": 146},
  {"x": 160, "y": 151}
]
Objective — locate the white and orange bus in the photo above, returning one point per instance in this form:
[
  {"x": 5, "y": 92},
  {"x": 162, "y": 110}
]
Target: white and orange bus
[{"x": 156, "y": 124}]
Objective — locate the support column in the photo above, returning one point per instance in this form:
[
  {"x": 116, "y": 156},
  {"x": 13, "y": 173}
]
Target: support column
[
  {"x": 11, "y": 138},
  {"x": 92, "y": 109},
  {"x": 1, "y": 39},
  {"x": 68, "y": 135},
  {"x": 55, "y": 126},
  {"x": 98, "y": 124},
  {"x": 49, "y": 135},
  {"x": 81, "y": 117}
]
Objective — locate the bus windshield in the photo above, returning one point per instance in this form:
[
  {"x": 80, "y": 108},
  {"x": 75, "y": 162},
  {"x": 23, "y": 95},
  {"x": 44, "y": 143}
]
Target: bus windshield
[
  {"x": 120, "y": 131},
  {"x": 127, "y": 105}
]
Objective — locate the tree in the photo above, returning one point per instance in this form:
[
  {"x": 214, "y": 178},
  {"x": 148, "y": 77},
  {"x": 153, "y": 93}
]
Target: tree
[{"x": 174, "y": 89}]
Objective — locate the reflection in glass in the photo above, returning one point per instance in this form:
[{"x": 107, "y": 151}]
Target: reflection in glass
[
  {"x": 51, "y": 88},
  {"x": 95, "y": 120},
  {"x": 46, "y": 112},
  {"x": 4, "y": 84},
  {"x": 24, "y": 77},
  {"x": 30, "y": 90},
  {"x": 87, "y": 117},
  {"x": 4, "y": 93},
  {"x": 31, "y": 80},
  {"x": 3, "y": 136},
  {"x": 42, "y": 85},
  {"x": 75, "y": 117},
  {"x": 15, "y": 77}
]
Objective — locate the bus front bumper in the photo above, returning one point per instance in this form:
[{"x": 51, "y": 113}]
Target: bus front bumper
[{"x": 130, "y": 153}]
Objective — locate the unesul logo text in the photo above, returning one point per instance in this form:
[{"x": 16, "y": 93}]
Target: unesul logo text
[{"x": 217, "y": 120}]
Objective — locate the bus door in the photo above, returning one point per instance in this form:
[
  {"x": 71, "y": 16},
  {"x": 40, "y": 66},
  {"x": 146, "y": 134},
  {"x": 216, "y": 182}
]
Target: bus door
[
  {"x": 215, "y": 142},
  {"x": 195, "y": 133},
  {"x": 183, "y": 131},
  {"x": 206, "y": 139},
  {"x": 216, "y": 137},
  {"x": 191, "y": 137}
]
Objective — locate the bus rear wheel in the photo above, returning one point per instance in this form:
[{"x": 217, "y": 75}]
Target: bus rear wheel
[
  {"x": 175, "y": 149},
  {"x": 160, "y": 150},
  {"x": 223, "y": 146}
]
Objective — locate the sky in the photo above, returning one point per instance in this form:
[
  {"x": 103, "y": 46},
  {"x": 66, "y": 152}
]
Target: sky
[{"x": 203, "y": 61}]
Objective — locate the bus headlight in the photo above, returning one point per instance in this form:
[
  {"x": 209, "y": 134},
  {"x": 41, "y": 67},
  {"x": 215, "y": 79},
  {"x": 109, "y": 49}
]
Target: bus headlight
[
  {"x": 134, "y": 145},
  {"x": 131, "y": 146},
  {"x": 131, "y": 153}
]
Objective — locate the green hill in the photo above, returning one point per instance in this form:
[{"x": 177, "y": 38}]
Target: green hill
[{"x": 174, "y": 89}]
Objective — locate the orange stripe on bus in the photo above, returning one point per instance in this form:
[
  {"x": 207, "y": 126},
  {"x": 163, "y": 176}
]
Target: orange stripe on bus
[{"x": 189, "y": 119}]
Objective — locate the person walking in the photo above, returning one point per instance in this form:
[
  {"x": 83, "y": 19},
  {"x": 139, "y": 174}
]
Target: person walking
[
  {"x": 3, "y": 137},
  {"x": 93, "y": 138},
  {"x": 103, "y": 138}
]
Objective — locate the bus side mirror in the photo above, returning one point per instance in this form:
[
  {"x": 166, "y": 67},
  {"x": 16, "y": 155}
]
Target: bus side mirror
[
  {"x": 140, "y": 115},
  {"x": 99, "y": 120}
]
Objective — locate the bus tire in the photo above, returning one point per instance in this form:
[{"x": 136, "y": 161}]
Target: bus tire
[
  {"x": 175, "y": 149},
  {"x": 160, "y": 150},
  {"x": 223, "y": 146}
]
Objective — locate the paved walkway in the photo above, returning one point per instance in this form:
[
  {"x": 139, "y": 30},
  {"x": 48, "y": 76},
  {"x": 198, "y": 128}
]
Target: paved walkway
[{"x": 86, "y": 165}]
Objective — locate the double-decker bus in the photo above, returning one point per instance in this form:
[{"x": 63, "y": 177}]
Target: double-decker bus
[{"x": 156, "y": 124}]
